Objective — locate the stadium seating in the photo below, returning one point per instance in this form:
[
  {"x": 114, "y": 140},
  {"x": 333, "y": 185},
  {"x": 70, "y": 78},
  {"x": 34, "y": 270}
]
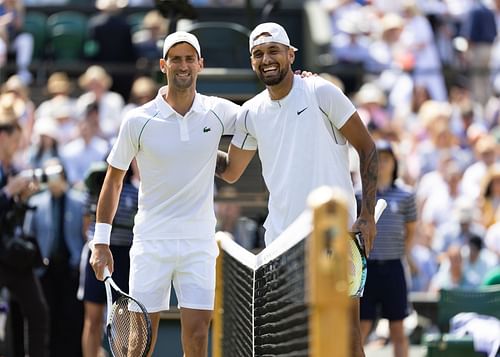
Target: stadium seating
[
  {"x": 135, "y": 21},
  {"x": 223, "y": 44},
  {"x": 485, "y": 301},
  {"x": 67, "y": 33},
  {"x": 34, "y": 23}
]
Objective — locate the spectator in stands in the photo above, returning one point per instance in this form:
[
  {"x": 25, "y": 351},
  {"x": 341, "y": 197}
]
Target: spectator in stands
[
  {"x": 45, "y": 143},
  {"x": 451, "y": 273},
  {"x": 478, "y": 260},
  {"x": 417, "y": 37},
  {"x": 486, "y": 153},
  {"x": 80, "y": 153},
  {"x": 56, "y": 223},
  {"x": 92, "y": 291},
  {"x": 436, "y": 209},
  {"x": 59, "y": 88},
  {"x": 490, "y": 196},
  {"x": 23, "y": 285},
  {"x": 229, "y": 219},
  {"x": 143, "y": 90},
  {"x": 20, "y": 43},
  {"x": 15, "y": 94},
  {"x": 386, "y": 286},
  {"x": 460, "y": 228},
  {"x": 148, "y": 41},
  {"x": 480, "y": 31},
  {"x": 67, "y": 125},
  {"x": 435, "y": 119},
  {"x": 422, "y": 264},
  {"x": 97, "y": 83},
  {"x": 371, "y": 102},
  {"x": 111, "y": 34}
]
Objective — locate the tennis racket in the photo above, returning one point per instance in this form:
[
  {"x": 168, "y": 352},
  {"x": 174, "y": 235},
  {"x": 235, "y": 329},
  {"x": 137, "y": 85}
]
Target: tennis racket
[
  {"x": 358, "y": 264},
  {"x": 128, "y": 325}
]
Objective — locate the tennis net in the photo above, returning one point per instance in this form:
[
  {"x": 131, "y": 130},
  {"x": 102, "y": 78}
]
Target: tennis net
[{"x": 264, "y": 305}]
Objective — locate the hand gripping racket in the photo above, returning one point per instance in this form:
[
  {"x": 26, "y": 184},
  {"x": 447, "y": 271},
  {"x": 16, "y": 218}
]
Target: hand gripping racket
[
  {"x": 128, "y": 325},
  {"x": 358, "y": 265}
]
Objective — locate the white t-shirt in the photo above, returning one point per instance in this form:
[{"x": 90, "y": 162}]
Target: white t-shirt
[
  {"x": 300, "y": 146},
  {"x": 176, "y": 157}
]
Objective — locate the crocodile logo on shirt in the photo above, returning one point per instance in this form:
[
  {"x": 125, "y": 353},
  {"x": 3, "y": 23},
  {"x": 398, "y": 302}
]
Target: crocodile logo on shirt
[{"x": 206, "y": 129}]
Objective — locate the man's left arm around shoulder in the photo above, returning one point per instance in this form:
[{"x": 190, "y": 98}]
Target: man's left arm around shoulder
[
  {"x": 230, "y": 166},
  {"x": 358, "y": 136}
]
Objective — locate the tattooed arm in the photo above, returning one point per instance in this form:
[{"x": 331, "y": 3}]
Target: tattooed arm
[{"x": 358, "y": 136}]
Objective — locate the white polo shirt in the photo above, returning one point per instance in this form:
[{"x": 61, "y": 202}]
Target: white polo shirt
[
  {"x": 176, "y": 157},
  {"x": 299, "y": 145}
]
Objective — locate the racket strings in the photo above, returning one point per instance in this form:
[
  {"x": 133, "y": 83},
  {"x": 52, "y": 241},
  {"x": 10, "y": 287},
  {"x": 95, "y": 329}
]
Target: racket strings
[
  {"x": 129, "y": 329},
  {"x": 357, "y": 268}
]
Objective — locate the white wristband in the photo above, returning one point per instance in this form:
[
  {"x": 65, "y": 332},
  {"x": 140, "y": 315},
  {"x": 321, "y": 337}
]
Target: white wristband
[{"x": 102, "y": 234}]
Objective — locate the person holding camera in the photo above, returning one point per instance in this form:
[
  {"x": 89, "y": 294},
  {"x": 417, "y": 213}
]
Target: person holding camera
[
  {"x": 57, "y": 224},
  {"x": 21, "y": 282}
]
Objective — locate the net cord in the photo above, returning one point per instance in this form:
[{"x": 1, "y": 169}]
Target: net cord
[{"x": 300, "y": 229}]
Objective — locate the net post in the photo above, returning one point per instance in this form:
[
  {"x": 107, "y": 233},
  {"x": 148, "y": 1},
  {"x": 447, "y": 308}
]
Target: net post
[
  {"x": 327, "y": 271},
  {"x": 217, "y": 321}
]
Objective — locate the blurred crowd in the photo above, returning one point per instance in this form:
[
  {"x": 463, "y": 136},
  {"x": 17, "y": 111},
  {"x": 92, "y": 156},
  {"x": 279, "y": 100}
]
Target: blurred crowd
[{"x": 430, "y": 85}]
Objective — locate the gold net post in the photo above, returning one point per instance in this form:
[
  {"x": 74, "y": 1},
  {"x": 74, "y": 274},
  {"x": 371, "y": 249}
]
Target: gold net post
[
  {"x": 217, "y": 322},
  {"x": 327, "y": 264}
]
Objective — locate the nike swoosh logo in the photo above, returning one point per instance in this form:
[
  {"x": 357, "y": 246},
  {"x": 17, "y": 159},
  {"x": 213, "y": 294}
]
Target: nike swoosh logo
[{"x": 301, "y": 111}]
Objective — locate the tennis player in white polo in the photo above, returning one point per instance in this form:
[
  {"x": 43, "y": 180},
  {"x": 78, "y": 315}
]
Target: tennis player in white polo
[
  {"x": 302, "y": 128},
  {"x": 174, "y": 139}
]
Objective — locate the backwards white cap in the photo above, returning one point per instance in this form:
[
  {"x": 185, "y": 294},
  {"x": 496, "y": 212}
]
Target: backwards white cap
[
  {"x": 272, "y": 33},
  {"x": 178, "y": 37}
]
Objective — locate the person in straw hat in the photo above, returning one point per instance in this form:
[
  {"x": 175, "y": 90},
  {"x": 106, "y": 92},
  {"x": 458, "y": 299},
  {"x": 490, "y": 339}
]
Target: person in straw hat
[
  {"x": 96, "y": 83},
  {"x": 58, "y": 89}
]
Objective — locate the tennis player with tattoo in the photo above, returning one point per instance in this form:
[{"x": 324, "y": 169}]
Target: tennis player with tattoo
[
  {"x": 302, "y": 128},
  {"x": 174, "y": 139}
]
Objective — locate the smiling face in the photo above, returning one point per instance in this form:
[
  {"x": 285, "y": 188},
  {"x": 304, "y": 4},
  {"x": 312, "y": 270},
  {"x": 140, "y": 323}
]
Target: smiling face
[
  {"x": 181, "y": 66},
  {"x": 272, "y": 62}
]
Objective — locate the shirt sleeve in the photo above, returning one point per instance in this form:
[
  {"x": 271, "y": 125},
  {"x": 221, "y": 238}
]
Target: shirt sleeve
[
  {"x": 333, "y": 103},
  {"x": 243, "y": 137},
  {"x": 125, "y": 147},
  {"x": 230, "y": 112}
]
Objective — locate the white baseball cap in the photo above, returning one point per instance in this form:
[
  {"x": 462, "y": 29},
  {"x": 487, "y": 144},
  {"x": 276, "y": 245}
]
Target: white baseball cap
[
  {"x": 274, "y": 33},
  {"x": 178, "y": 37}
]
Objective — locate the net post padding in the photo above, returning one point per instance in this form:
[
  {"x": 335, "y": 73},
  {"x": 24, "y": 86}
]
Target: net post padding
[
  {"x": 327, "y": 264},
  {"x": 217, "y": 321}
]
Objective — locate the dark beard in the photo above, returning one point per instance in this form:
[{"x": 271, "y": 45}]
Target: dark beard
[{"x": 272, "y": 81}]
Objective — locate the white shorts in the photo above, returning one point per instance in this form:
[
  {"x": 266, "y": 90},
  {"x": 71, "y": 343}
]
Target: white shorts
[{"x": 190, "y": 264}]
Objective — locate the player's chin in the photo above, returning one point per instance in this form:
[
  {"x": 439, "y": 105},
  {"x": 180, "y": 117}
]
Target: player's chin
[{"x": 270, "y": 80}]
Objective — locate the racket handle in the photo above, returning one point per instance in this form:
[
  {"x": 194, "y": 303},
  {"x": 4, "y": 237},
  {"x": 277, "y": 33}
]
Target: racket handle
[
  {"x": 107, "y": 273},
  {"x": 379, "y": 208}
]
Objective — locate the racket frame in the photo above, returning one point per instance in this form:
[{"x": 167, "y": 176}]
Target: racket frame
[
  {"x": 110, "y": 284},
  {"x": 360, "y": 244}
]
